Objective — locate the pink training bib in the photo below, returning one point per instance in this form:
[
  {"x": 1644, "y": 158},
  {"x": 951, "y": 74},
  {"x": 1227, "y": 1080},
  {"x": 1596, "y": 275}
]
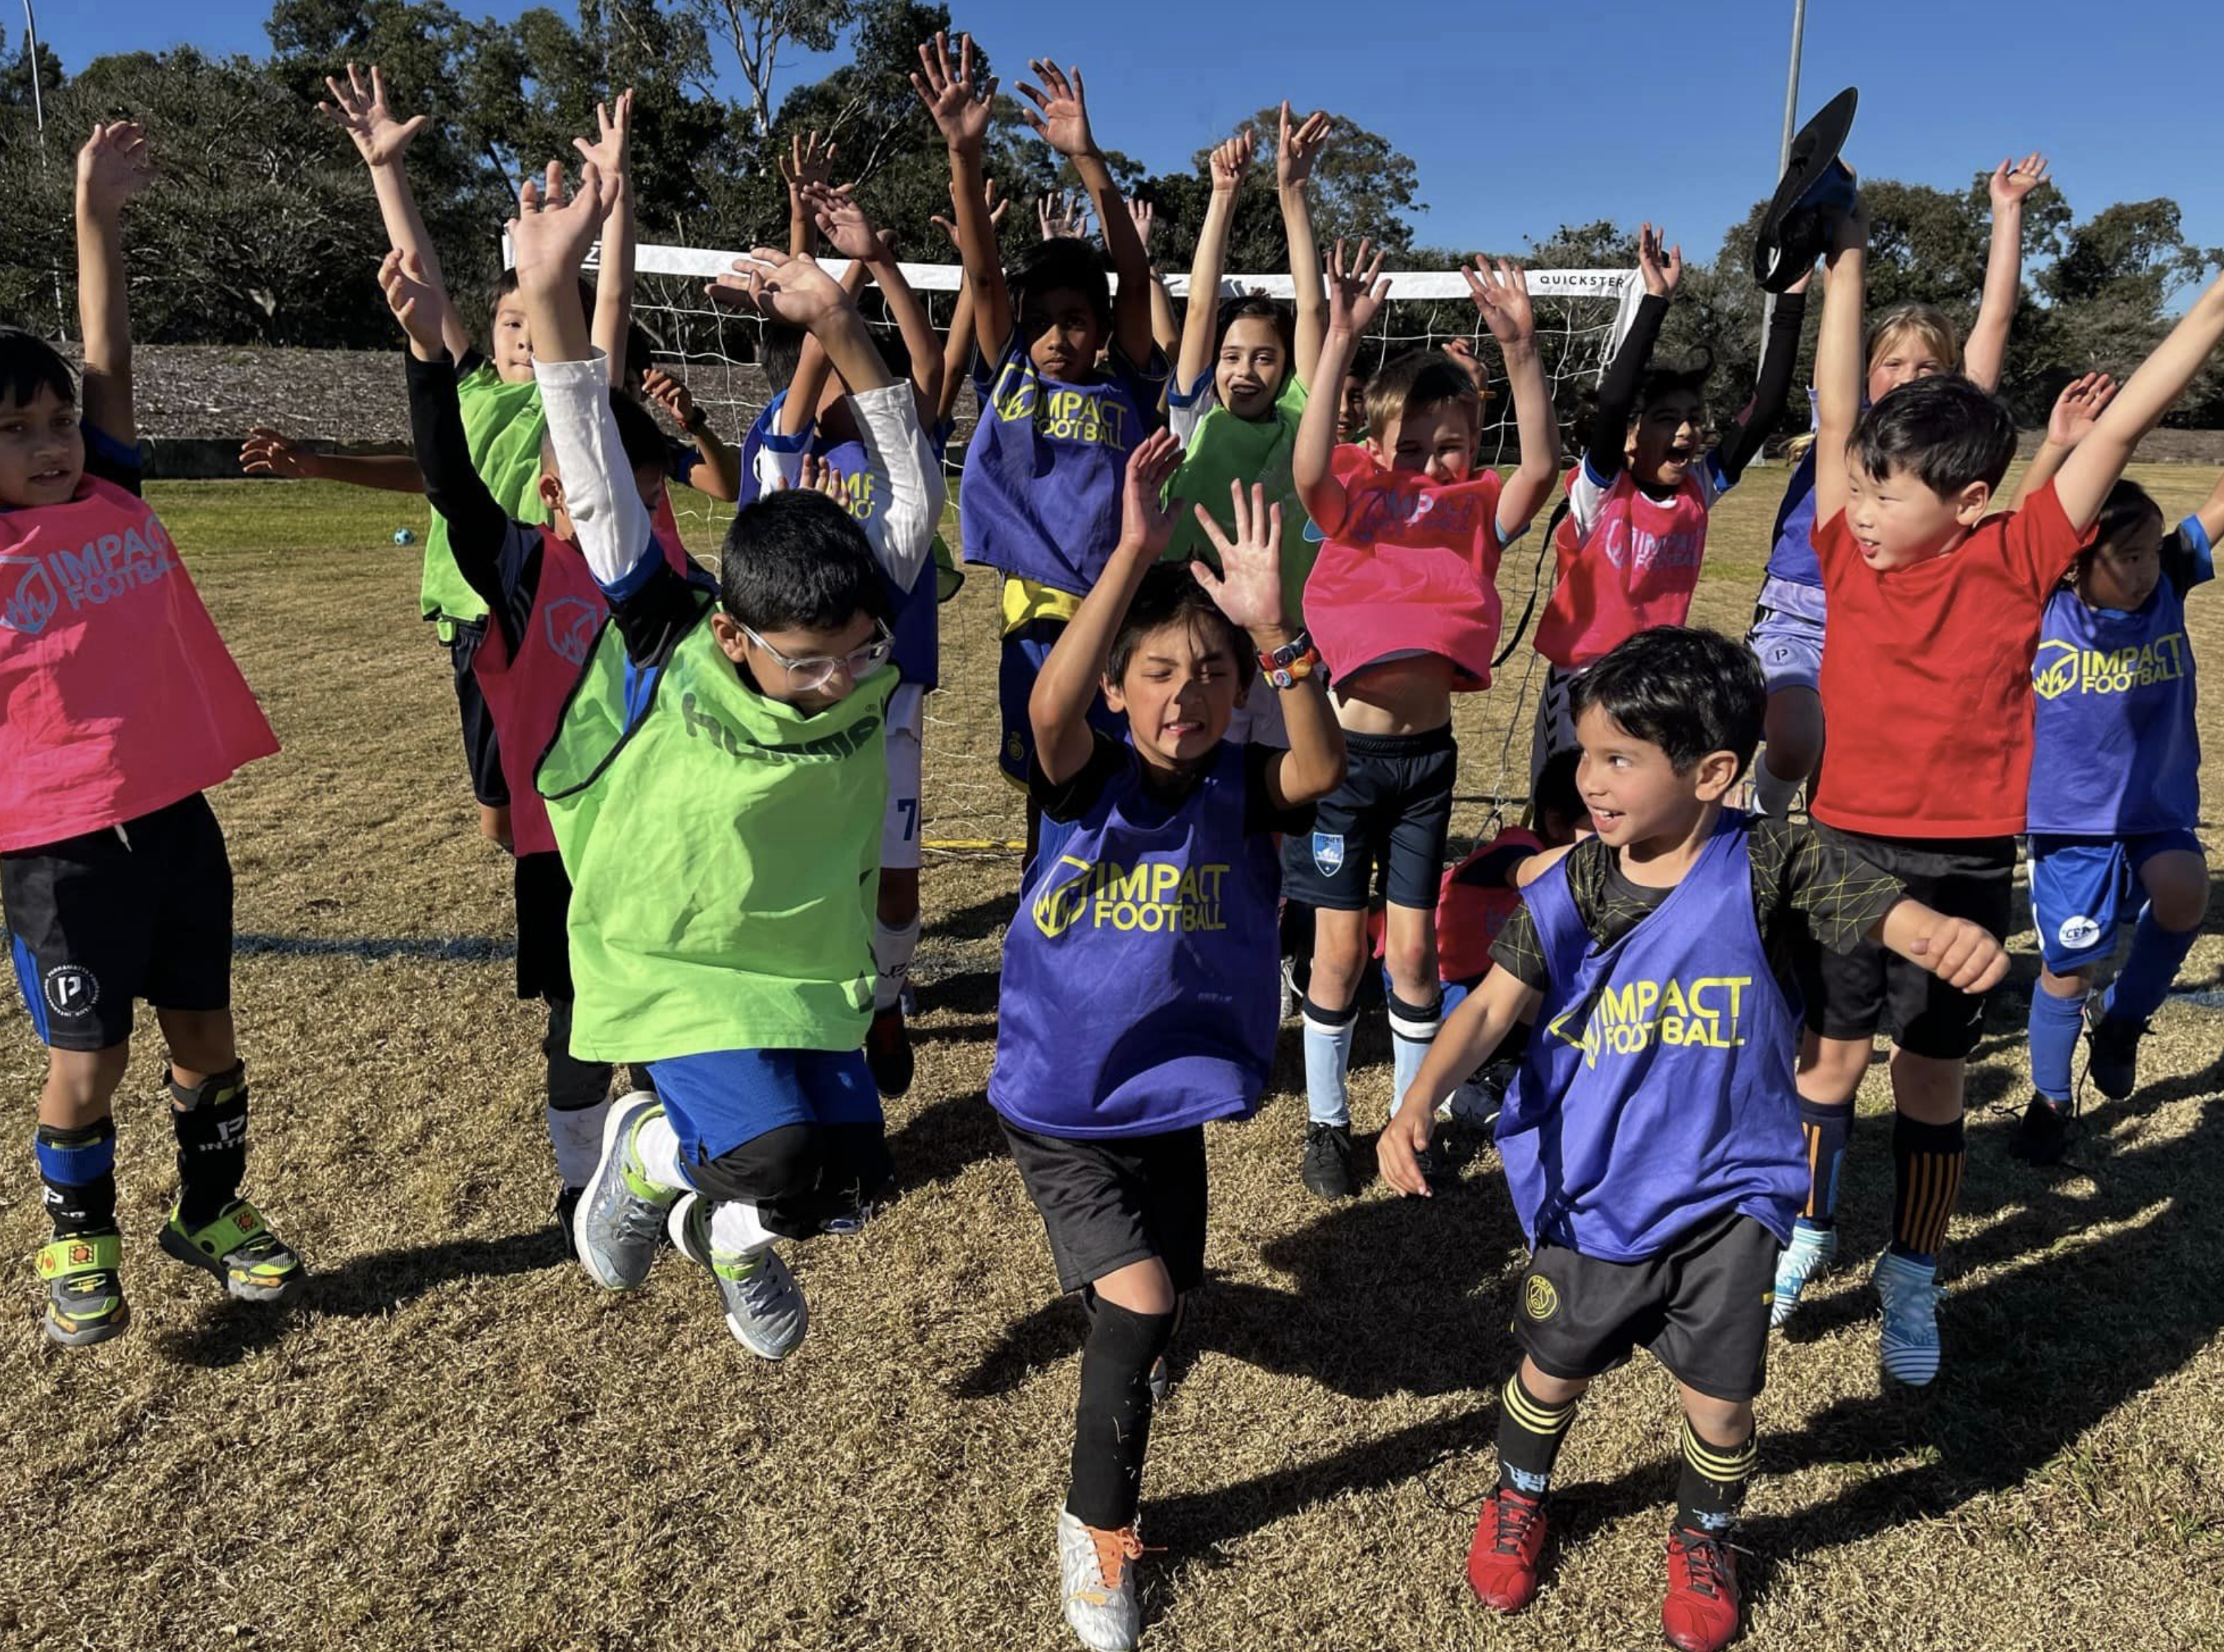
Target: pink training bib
[
  {"x": 1413, "y": 568},
  {"x": 1635, "y": 569},
  {"x": 117, "y": 697}
]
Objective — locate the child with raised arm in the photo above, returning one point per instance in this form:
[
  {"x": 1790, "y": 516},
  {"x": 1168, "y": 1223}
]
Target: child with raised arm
[
  {"x": 1909, "y": 341},
  {"x": 721, "y": 917},
  {"x": 1403, "y": 603},
  {"x": 2115, "y": 782},
  {"x": 544, "y": 609},
  {"x": 1239, "y": 389},
  {"x": 1936, "y": 607},
  {"x": 1634, "y": 532},
  {"x": 1651, "y": 1140},
  {"x": 124, "y": 710},
  {"x": 1139, "y": 999},
  {"x": 1043, "y": 474}
]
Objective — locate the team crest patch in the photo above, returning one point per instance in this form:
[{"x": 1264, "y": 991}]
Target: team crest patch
[
  {"x": 28, "y": 598},
  {"x": 572, "y": 623},
  {"x": 1538, "y": 1299},
  {"x": 2079, "y": 933},
  {"x": 1328, "y": 853},
  {"x": 71, "y": 990}
]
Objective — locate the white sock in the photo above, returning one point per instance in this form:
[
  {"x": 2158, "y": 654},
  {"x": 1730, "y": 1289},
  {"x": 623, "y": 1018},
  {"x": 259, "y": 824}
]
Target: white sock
[
  {"x": 656, "y": 1149},
  {"x": 893, "y": 950},
  {"x": 576, "y": 1133},
  {"x": 1771, "y": 794},
  {"x": 736, "y": 1232}
]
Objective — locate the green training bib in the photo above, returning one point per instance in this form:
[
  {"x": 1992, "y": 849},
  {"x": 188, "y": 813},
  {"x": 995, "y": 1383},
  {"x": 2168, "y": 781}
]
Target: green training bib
[
  {"x": 502, "y": 428},
  {"x": 1225, "y": 449}
]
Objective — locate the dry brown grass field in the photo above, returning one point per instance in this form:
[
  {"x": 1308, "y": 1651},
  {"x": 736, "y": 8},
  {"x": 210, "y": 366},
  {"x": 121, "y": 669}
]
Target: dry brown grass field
[{"x": 456, "y": 1442}]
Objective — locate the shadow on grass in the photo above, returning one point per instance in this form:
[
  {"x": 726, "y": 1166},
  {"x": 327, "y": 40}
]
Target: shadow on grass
[{"x": 376, "y": 949}]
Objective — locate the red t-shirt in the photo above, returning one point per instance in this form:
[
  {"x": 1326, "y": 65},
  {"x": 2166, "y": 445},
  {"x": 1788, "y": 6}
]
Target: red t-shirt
[{"x": 1926, "y": 677}]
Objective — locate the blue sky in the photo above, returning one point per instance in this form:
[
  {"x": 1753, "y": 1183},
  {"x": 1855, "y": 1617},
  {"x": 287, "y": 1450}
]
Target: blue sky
[{"x": 1521, "y": 119}]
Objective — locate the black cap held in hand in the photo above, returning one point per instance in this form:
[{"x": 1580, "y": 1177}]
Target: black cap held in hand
[{"x": 1816, "y": 188}]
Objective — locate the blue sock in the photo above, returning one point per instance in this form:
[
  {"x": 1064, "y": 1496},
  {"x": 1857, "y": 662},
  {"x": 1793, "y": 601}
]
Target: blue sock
[
  {"x": 2148, "y": 971},
  {"x": 1412, "y": 1030},
  {"x": 1328, "y": 1059},
  {"x": 1824, "y": 1131},
  {"x": 2055, "y": 1024}
]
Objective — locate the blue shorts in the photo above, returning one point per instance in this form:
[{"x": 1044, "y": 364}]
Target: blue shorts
[
  {"x": 2082, "y": 889},
  {"x": 719, "y": 1100},
  {"x": 1789, "y": 647},
  {"x": 1024, "y": 652}
]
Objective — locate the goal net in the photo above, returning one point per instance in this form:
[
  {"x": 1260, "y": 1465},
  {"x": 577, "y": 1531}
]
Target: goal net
[{"x": 968, "y": 807}]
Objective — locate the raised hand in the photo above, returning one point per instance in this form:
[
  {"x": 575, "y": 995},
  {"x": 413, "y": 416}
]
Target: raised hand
[
  {"x": 1060, "y": 115},
  {"x": 960, "y": 113},
  {"x": 1661, "y": 271},
  {"x": 363, "y": 114},
  {"x": 552, "y": 231},
  {"x": 415, "y": 302},
  {"x": 996, "y": 208},
  {"x": 1355, "y": 290},
  {"x": 669, "y": 394},
  {"x": 1229, "y": 160},
  {"x": 612, "y": 150},
  {"x": 1502, "y": 295},
  {"x": 2077, "y": 407},
  {"x": 781, "y": 286},
  {"x": 808, "y": 161},
  {"x": 2012, "y": 179},
  {"x": 1248, "y": 587},
  {"x": 842, "y": 222},
  {"x": 1462, "y": 352},
  {"x": 1146, "y": 516},
  {"x": 268, "y": 452},
  {"x": 1145, "y": 217},
  {"x": 113, "y": 167},
  {"x": 1295, "y": 151},
  {"x": 1063, "y": 214}
]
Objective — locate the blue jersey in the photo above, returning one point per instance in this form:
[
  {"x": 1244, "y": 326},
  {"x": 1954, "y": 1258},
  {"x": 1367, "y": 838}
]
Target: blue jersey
[
  {"x": 2115, "y": 752},
  {"x": 1791, "y": 556},
  {"x": 1139, "y": 993},
  {"x": 1656, "y": 1091}
]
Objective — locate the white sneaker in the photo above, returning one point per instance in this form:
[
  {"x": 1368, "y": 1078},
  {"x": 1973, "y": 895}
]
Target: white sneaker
[
  {"x": 1811, "y": 1250},
  {"x": 765, "y": 1309},
  {"x": 1097, "y": 1572}
]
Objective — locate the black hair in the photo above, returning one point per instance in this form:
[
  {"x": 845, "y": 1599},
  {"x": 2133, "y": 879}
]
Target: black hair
[
  {"x": 1661, "y": 380},
  {"x": 1556, "y": 792},
  {"x": 1686, "y": 691},
  {"x": 1420, "y": 378},
  {"x": 1943, "y": 429},
  {"x": 2128, "y": 507},
  {"x": 29, "y": 364},
  {"x": 780, "y": 350},
  {"x": 1251, "y": 306},
  {"x": 1169, "y": 596},
  {"x": 1061, "y": 261},
  {"x": 641, "y": 352},
  {"x": 638, "y": 433},
  {"x": 506, "y": 283},
  {"x": 795, "y": 560}
]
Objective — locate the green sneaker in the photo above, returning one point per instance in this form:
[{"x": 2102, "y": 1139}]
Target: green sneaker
[
  {"x": 238, "y": 1248},
  {"x": 85, "y": 1293}
]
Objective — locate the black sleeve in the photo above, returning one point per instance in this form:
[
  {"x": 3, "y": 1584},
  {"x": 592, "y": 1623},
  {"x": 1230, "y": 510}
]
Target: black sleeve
[
  {"x": 2181, "y": 557},
  {"x": 1617, "y": 392},
  {"x": 479, "y": 530},
  {"x": 1075, "y": 796},
  {"x": 1518, "y": 953},
  {"x": 1491, "y": 869},
  {"x": 1779, "y": 357},
  {"x": 474, "y": 359},
  {"x": 655, "y": 614},
  {"x": 1798, "y": 873},
  {"x": 1260, "y": 813},
  {"x": 108, "y": 460}
]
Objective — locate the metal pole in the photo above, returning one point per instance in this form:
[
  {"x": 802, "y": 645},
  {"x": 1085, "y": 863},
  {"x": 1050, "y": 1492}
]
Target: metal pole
[
  {"x": 1791, "y": 126},
  {"x": 31, "y": 50}
]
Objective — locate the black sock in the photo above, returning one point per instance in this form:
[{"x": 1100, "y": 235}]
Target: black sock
[
  {"x": 79, "y": 1169},
  {"x": 1529, "y": 1436},
  {"x": 1927, "y": 1161},
  {"x": 1711, "y": 1487},
  {"x": 211, "y": 1122},
  {"x": 1112, "y": 1424}
]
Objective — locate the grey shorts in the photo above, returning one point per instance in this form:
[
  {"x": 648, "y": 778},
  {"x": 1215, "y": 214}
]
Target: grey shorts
[{"x": 1789, "y": 647}]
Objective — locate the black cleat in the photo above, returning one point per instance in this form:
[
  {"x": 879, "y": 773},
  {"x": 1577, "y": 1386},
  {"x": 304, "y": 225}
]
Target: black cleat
[
  {"x": 2043, "y": 1137},
  {"x": 1327, "y": 1167},
  {"x": 887, "y": 1053},
  {"x": 2111, "y": 1051}
]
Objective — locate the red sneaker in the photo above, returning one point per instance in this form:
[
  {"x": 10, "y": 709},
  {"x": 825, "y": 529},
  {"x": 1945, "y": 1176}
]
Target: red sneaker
[
  {"x": 1701, "y": 1611},
  {"x": 1502, "y": 1562}
]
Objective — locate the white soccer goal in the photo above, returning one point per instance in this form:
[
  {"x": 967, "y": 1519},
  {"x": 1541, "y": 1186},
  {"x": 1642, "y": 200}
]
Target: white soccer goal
[{"x": 1581, "y": 315}]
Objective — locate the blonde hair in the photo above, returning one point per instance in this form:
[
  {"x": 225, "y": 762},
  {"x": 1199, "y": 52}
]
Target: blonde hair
[{"x": 1925, "y": 322}]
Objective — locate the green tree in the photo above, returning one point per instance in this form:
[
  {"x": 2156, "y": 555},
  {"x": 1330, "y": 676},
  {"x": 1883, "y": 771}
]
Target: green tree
[
  {"x": 16, "y": 72},
  {"x": 759, "y": 30}
]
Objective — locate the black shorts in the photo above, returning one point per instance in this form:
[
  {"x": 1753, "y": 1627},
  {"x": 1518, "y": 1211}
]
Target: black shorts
[
  {"x": 482, "y": 756},
  {"x": 1849, "y": 995},
  {"x": 544, "y": 949},
  {"x": 140, "y": 910},
  {"x": 1395, "y": 807},
  {"x": 1111, "y": 1202},
  {"x": 1701, "y": 1306}
]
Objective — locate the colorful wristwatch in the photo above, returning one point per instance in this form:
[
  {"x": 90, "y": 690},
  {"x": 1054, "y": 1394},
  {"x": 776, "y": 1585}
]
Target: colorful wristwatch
[{"x": 1292, "y": 663}]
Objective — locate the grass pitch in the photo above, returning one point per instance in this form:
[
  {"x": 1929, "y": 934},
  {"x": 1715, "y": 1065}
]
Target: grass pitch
[{"x": 455, "y": 1441}]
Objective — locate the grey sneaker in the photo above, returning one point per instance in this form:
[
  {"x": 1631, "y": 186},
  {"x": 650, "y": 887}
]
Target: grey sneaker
[
  {"x": 620, "y": 1218},
  {"x": 765, "y": 1309},
  {"x": 1097, "y": 1571}
]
